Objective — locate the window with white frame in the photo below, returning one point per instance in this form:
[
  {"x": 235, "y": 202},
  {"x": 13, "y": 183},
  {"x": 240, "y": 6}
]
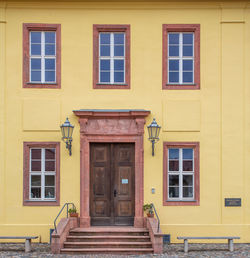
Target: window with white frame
[
  {"x": 42, "y": 57},
  {"x": 112, "y": 57},
  {"x": 42, "y": 174},
  {"x": 181, "y": 57},
  {"x": 181, "y": 173}
]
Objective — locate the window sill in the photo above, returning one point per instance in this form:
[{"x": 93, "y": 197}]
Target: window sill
[
  {"x": 111, "y": 86},
  {"x": 41, "y": 203},
  {"x": 181, "y": 86},
  {"x": 181, "y": 203},
  {"x": 33, "y": 85}
]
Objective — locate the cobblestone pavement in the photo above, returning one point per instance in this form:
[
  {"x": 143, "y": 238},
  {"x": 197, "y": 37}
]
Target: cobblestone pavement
[{"x": 170, "y": 251}]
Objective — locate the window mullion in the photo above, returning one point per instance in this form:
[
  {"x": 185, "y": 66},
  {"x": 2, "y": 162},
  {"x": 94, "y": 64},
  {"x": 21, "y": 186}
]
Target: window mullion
[
  {"x": 180, "y": 178},
  {"x": 181, "y": 57},
  {"x": 42, "y": 174},
  {"x": 112, "y": 58},
  {"x": 43, "y": 57},
  {"x": 30, "y": 176}
]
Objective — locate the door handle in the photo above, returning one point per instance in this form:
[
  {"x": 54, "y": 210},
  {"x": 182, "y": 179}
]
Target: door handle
[{"x": 115, "y": 193}]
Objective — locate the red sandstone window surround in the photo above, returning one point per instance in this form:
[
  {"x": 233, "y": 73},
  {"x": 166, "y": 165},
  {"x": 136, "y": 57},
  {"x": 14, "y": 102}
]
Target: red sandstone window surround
[
  {"x": 41, "y": 175},
  {"x": 181, "y": 56},
  {"x": 41, "y": 55},
  {"x": 181, "y": 183},
  {"x": 111, "y": 56}
]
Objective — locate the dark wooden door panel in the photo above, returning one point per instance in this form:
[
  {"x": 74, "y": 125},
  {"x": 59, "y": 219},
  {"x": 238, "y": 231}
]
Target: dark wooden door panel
[
  {"x": 112, "y": 184},
  {"x": 124, "y": 183},
  {"x": 100, "y": 183}
]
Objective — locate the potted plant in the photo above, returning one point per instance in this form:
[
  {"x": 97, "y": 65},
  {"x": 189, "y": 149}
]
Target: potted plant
[
  {"x": 148, "y": 208},
  {"x": 72, "y": 212}
]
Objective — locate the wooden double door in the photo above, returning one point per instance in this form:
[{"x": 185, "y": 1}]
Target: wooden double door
[{"x": 112, "y": 183}]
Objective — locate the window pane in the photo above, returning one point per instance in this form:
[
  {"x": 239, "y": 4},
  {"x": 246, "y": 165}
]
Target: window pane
[
  {"x": 35, "y": 165},
  {"x": 35, "y": 76},
  {"x": 49, "y": 165},
  {"x": 119, "y": 65},
  {"x": 119, "y": 38},
  {"x": 187, "y": 50},
  {"x": 105, "y": 51},
  {"x": 187, "y": 153},
  {"x": 173, "y": 165},
  {"x": 105, "y": 77},
  {"x": 35, "y": 37},
  {"x": 173, "y": 38},
  {"x": 50, "y": 49},
  {"x": 187, "y": 165},
  {"x": 50, "y": 37},
  {"x": 50, "y": 153},
  {"x": 49, "y": 192},
  {"x": 50, "y": 76},
  {"x": 119, "y": 77},
  {"x": 119, "y": 51},
  {"x": 173, "y": 153},
  {"x": 173, "y": 192},
  {"x": 187, "y": 180},
  {"x": 188, "y": 192},
  {"x": 36, "y": 49},
  {"x": 50, "y": 64},
  {"x": 36, "y": 153},
  {"x": 173, "y": 51},
  {"x": 187, "y": 77},
  {"x": 174, "y": 77},
  {"x": 105, "y": 65},
  {"x": 35, "y": 180},
  {"x": 105, "y": 38},
  {"x": 49, "y": 180},
  {"x": 187, "y": 65},
  {"x": 36, "y": 192},
  {"x": 173, "y": 180},
  {"x": 35, "y": 64},
  {"x": 187, "y": 38},
  {"x": 173, "y": 65}
]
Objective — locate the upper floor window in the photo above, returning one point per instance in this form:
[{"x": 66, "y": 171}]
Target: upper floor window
[
  {"x": 181, "y": 56},
  {"x": 111, "y": 56},
  {"x": 41, "y": 173},
  {"x": 181, "y": 173},
  {"x": 42, "y": 56}
]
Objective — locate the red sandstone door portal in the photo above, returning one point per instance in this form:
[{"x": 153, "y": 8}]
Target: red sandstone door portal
[{"x": 112, "y": 183}]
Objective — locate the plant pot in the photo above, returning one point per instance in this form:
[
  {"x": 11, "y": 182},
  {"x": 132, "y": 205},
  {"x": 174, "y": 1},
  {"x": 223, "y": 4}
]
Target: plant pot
[
  {"x": 73, "y": 214},
  {"x": 150, "y": 215}
]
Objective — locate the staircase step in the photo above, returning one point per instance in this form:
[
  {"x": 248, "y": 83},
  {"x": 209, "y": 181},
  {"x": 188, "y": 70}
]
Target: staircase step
[
  {"x": 109, "y": 238},
  {"x": 127, "y": 245},
  {"x": 105, "y": 231},
  {"x": 107, "y": 250}
]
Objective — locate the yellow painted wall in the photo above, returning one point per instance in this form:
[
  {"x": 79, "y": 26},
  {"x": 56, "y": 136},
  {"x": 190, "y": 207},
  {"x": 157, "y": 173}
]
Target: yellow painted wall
[{"x": 217, "y": 115}]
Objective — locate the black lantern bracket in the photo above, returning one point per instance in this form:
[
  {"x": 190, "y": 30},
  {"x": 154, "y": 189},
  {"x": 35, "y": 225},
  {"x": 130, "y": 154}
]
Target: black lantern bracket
[
  {"x": 153, "y": 132},
  {"x": 67, "y": 131}
]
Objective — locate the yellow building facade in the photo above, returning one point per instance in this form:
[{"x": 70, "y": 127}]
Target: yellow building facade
[{"x": 214, "y": 114}]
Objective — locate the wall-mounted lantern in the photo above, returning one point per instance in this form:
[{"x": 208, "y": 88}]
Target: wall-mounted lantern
[
  {"x": 153, "y": 132},
  {"x": 67, "y": 131}
]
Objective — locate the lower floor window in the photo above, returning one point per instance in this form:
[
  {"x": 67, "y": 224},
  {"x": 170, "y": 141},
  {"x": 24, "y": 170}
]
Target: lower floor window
[
  {"x": 41, "y": 173},
  {"x": 181, "y": 173}
]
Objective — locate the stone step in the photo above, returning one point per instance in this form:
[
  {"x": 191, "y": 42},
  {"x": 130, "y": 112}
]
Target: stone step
[
  {"x": 106, "y": 231},
  {"x": 107, "y": 250},
  {"x": 128, "y": 245},
  {"x": 109, "y": 238}
]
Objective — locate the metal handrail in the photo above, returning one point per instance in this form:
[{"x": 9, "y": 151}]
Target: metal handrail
[
  {"x": 65, "y": 204},
  {"x": 156, "y": 216}
]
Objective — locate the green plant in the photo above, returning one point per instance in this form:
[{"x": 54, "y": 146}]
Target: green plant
[
  {"x": 148, "y": 208},
  {"x": 72, "y": 210}
]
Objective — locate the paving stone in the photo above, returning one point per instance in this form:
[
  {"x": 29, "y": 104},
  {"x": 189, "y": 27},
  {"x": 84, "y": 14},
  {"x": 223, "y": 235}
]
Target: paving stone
[{"x": 16, "y": 250}]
